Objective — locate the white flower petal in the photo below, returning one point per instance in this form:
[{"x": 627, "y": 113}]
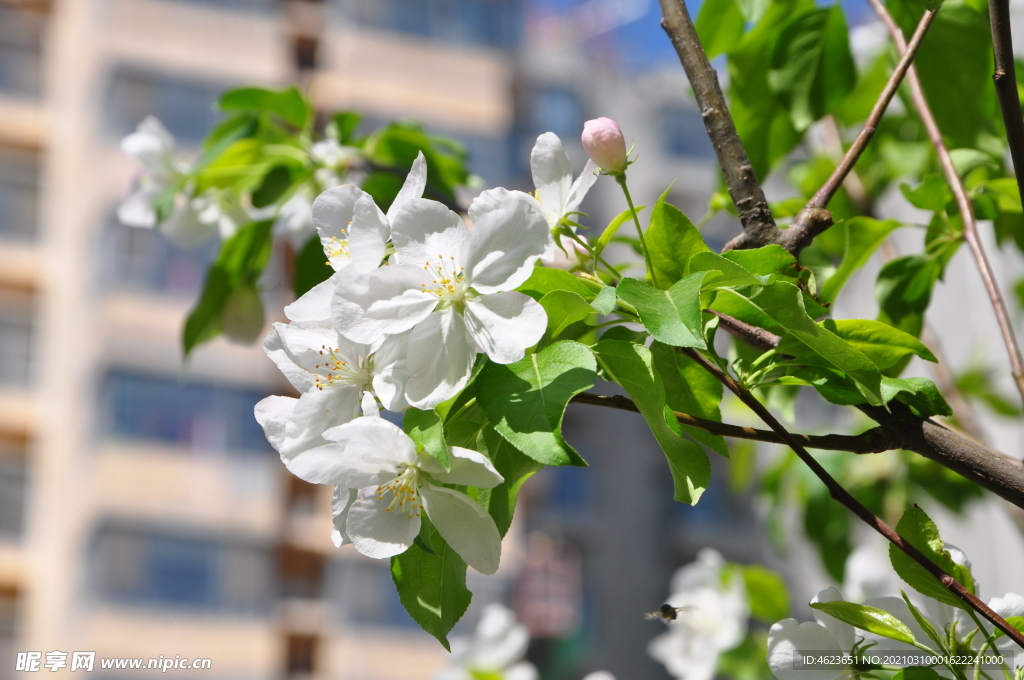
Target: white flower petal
[
  {"x": 137, "y": 210},
  {"x": 493, "y": 199},
  {"x": 391, "y": 371},
  {"x": 552, "y": 175},
  {"x": 333, "y": 212},
  {"x": 467, "y": 467},
  {"x": 332, "y": 464},
  {"x": 1008, "y": 605},
  {"x": 441, "y": 356},
  {"x": 375, "y": 439},
  {"x": 524, "y": 670},
  {"x": 276, "y": 348},
  {"x": 273, "y": 414},
  {"x": 368, "y": 235},
  {"x": 499, "y": 639},
  {"x": 151, "y": 144},
  {"x": 340, "y": 504},
  {"x": 505, "y": 325},
  {"x": 423, "y": 230},
  {"x": 844, "y": 633},
  {"x": 320, "y": 410},
  {"x": 787, "y": 639},
  {"x": 581, "y": 186},
  {"x": 685, "y": 657},
  {"x": 185, "y": 228},
  {"x": 415, "y": 183},
  {"x": 386, "y": 301},
  {"x": 376, "y": 531},
  {"x": 504, "y": 244},
  {"x": 464, "y": 525},
  {"x": 315, "y": 303}
]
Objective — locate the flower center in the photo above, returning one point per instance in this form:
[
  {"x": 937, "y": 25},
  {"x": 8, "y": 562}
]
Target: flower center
[
  {"x": 449, "y": 279},
  {"x": 404, "y": 492},
  {"x": 339, "y": 370},
  {"x": 338, "y": 246}
]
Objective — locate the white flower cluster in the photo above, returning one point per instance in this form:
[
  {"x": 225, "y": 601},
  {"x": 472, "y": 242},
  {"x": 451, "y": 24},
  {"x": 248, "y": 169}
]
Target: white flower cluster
[
  {"x": 788, "y": 639},
  {"x": 416, "y": 295},
  {"x": 712, "y": 618},
  {"x": 495, "y": 650},
  {"x": 196, "y": 219}
]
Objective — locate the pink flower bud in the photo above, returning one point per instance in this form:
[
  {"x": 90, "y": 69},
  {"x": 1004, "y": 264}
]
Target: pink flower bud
[{"x": 605, "y": 145}]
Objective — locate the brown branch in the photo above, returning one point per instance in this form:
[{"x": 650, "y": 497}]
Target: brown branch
[
  {"x": 1005, "y": 78},
  {"x": 841, "y": 495},
  {"x": 875, "y": 440},
  {"x": 963, "y": 202},
  {"x": 759, "y": 227},
  {"x": 992, "y": 470}
]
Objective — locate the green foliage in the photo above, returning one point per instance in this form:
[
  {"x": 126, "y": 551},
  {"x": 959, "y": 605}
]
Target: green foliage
[
  {"x": 692, "y": 390},
  {"x": 631, "y": 366},
  {"x": 289, "y": 105},
  {"x": 812, "y": 69},
  {"x": 432, "y": 584},
  {"x": 672, "y": 240},
  {"x": 870, "y": 619},
  {"x": 767, "y": 594},
  {"x": 512, "y": 464},
  {"x": 863, "y": 235},
  {"x": 238, "y": 266},
  {"x": 918, "y": 529},
  {"x": 672, "y": 316},
  {"x": 526, "y": 400},
  {"x": 719, "y": 24},
  {"x": 425, "y": 428}
]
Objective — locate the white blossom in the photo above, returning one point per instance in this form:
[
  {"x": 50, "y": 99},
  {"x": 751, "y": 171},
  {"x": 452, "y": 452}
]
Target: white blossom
[
  {"x": 495, "y": 649},
  {"x": 788, "y": 639},
  {"x": 452, "y": 287},
  {"x": 714, "y": 618},
  {"x": 394, "y": 484}
]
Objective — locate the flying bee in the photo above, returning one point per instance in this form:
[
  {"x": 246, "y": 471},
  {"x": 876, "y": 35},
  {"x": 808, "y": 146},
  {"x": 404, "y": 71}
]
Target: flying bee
[{"x": 667, "y": 613}]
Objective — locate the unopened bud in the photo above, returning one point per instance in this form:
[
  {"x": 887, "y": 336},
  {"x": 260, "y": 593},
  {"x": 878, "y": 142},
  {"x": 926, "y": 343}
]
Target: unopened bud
[{"x": 605, "y": 145}]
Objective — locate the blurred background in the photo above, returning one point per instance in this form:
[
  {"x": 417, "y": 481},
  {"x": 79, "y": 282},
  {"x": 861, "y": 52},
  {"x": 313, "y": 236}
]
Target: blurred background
[{"x": 142, "y": 512}]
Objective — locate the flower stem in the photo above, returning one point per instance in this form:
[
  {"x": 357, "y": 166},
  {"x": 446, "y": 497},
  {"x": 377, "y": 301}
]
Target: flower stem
[{"x": 621, "y": 179}]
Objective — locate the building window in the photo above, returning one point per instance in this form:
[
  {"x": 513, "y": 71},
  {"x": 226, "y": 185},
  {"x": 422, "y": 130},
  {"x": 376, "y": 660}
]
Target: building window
[
  {"x": 486, "y": 23},
  {"x": 193, "y": 415},
  {"x": 682, "y": 128},
  {"x": 135, "y": 259},
  {"x": 362, "y": 593},
  {"x": 12, "y": 497},
  {"x": 140, "y": 567},
  {"x": 20, "y": 53},
  {"x": 185, "y": 106},
  {"x": 19, "y": 193},
  {"x": 15, "y": 340}
]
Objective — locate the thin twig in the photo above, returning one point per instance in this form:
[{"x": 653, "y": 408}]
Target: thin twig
[
  {"x": 840, "y": 494},
  {"x": 1005, "y": 78},
  {"x": 759, "y": 227},
  {"x": 964, "y": 204},
  {"x": 875, "y": 440},
  {"x": 986, "y": 467},
  {"x": 828, "y": 190}
]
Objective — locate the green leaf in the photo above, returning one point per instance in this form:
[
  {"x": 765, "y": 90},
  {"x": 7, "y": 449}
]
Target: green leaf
[
  {"x": 723, "y": 272},
  {"x": 920, "y": 394},
  {"x": 956, "y": 56},
  {"x": 671, "y": 241},
  {"x": 870, "y": 619},
  {"x": 343, "y": 124},
  {"x": 432, "y": 586},
  {"x": 1016, "y": 621},
  {"x": 512, "y": 464},
  {"x": 564, "y": 308},
  {"x": 240, "y": 161},
  {"x": 719, "y": 25},
  {"x": 767, "y": 261},
  {"x": 916, "y": 673},
  {"x": 526, "y": 400},
  {"x": 426, "y": 430},
  {"x": 544, "y": 280},
  {"x": 613, "y": 227},
  {"x": 396, "y": 146},
  {"x": 274, "y": 185},
  {"x": 631, "y": 366},
  {"x": 288, "y": 104},
  {"x": 918, "y": 529},
  {"x": 672, "y": 316},
  {"x": 692, "y": 390},
  {"x": 311, "y": 266},
  {"x": 238, "y": 265},
  {"x": 904, "y": 288},
  {"x": 604, "y": 302},
  {"x": 780, "y": 308},
  {"x": 863, "y": 236},
  {"x": 766, "y": 593},
  {"x": 931, "y": 194},
  {"x": 762, "y": 121},
  {"x": 812, "y": 69},
  {"x": 884, "y": 345}
]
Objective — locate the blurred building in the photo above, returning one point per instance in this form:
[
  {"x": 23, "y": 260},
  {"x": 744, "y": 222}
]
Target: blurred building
[{"x": 141, "y": 511}]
